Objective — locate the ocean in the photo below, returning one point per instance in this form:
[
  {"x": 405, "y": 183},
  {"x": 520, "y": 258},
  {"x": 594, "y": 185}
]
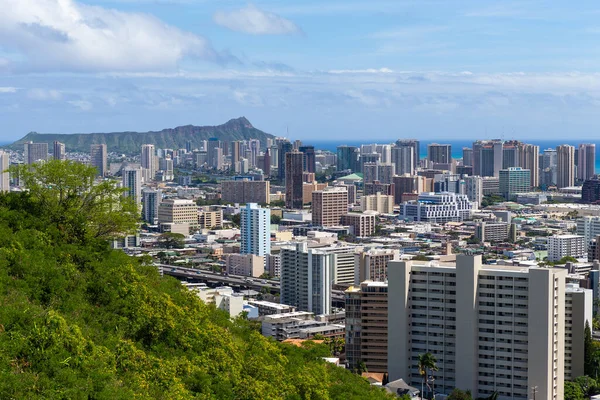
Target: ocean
[{"x": 457, "y": 145}]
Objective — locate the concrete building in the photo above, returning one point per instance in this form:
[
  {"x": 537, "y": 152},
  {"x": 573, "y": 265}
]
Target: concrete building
[
  {"x": 210, "y": 217},
  {"x": 378, "y": 202},
  {"x": 270, "y": 308},
  {"x": 59, "y": 151},
  {"x": 255, "y": 230},
  {"x": 490, "y": 185},
  {"x": 309, "y": 188},
  {"x": 273, "y": 265},
  {"x": 491, "y": 328},
  {"x": 487, "y": 157},
  {"x": 178, "y": 211},
  {"x": 414, "y": 144},
  {"x": 4, "y": 174},
  {"x": 366, "y": 326},
  {"x": 132, "y": 181},
  {"x": 362, "y": 224},
  {"x": 148, "y": 162},
  {"x": 437, "y": 208},
  {"x": 35, "y": 152},
  {"x": 560, "y": 246},
  {"x": 578, "y": 310},
  {"x": 245, "y": 191},
  {"x": 293, "y": 180},
  {"x": 378, "y": 172},
  {"x": 371, "y": 265},
  {"x": 376, "y": 186},
  {"x": 588, "y": 227},
  {"x": 99, "y": 158},
  {"x": 473, "y": 188},
  {"x": 151, "y": 199},
  {"x": 439, "y": 153},
  {"x": 348, "y": 158},
  {"x": 492, "y": 232},
  {"x": 245, "y": 265},
  {"x": 329, "y": 205},
  {"x": 467, "y": 159},
  {"x": 514, "y": 180},
  {"x": 590, "y": 192},
  {"x": 222, "y": 297},
  {"x": 408, "y": 184},
  {"x": 586, "y": 161},
  {"x": 403, "y": 159},
  {"x": 529, "y": 156},
  {"x": 565, "y": 166}
]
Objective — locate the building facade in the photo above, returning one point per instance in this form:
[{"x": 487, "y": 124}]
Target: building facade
[
  {"x": 255, "y": 230},
  {"x": 514, "y": 180},
  {"x": 99, "y": 158},
  {"x": 329, "y": 205},
  {"x": 560, "y": 246},
  {"x": 245, "y": 191},
  {"x": 437, "y": 208}
]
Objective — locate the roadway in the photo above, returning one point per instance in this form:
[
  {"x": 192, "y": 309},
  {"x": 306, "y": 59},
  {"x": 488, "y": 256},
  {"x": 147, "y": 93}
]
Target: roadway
[{"x": 235, "y": 281}]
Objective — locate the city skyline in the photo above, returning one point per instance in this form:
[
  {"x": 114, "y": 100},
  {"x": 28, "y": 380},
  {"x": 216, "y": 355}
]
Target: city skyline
[{"x": 458, "y": 68}]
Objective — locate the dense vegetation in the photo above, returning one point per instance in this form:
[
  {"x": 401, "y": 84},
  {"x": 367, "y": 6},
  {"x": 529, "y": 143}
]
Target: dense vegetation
[
  {"x": 80, "y": 321},
  {"x": 131, "y": 142}
]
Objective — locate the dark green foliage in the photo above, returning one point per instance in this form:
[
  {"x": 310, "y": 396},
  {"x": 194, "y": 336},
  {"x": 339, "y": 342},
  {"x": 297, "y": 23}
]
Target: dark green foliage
[
  {"x": 131, "y": 142},
  {"x": 588, "y": 350},
  {"x": 458, "y": 394},
  {"x": 170, "y": 240},
  {"x": 80, "y": 321},
  {"x": 588, "y": 385},
  {"x": 573, "y": 391}
]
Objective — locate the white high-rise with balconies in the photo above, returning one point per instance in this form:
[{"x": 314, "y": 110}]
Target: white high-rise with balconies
[{"x": 255, "y": 230}]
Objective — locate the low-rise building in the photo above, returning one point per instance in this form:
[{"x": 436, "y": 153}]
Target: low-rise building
[
  {"x": 362, "y": 224},
  {"x": 492, "y": 232},
  {"x": 378, "y": 202},
  {"x": 222, "y": 297},
  {"x": 560, "y": 246},
  {"x": 245, "y": 264}
]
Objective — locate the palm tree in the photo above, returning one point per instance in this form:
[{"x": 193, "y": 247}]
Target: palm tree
[{"x": 426, "y": 362}]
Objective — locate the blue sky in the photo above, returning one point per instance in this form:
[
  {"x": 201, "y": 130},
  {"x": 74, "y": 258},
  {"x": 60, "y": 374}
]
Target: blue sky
[{"x": 333, "y": 69}]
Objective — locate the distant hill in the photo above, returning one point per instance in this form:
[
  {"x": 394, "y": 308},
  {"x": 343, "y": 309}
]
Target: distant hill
[{"x": 131, "y": 142}]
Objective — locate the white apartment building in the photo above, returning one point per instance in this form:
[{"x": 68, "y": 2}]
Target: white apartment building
[
  {"x": 560, "y": 246},
  {"x": 132, "y": 181},
  {"x": 255, "y": 230},
  {"x": 491, "y": 328},
  {"x": 222, "y": 297},
  {"x": 438, "y": 208},
  {"x": 578, "y": 310},
  {"x": 378, "y": 202},
  {"x": 588, "y": 227},
  {"x": 178, "y": 211},
  {"x": 371, "y": 265}
]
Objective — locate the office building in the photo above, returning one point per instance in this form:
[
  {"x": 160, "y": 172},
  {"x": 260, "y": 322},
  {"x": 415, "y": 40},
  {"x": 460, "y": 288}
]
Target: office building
[
  {"x": 329, "y": 205},
  {"x": 4, "y": 174},
  {"x": 99, "y": 158},
  {"x": 178, "y": 212},
  {"x": 283, "y": 147},
  {"x": 467, "y": 159},
  {"x": 383, "y": 173},
  {"x": 166, "y": 166},
  {"x": 590, "y": 192},
  {"x": 529, "y": 156},
  {"x": 560, "y": 246},
  {"x": 510, "y": 154},
  {"x": 586, "y": 162},
  {"x": 59, "y": 151},
  {"x": 378, "y": 187},
  {"x": 473, "y": 188},
  {"x": 293, "y": 179},
  {"x": 491, "y": 328},
  {"x": 366, "y": 326},
  {"x": 413, "y": 144},
  {"x": 132, "y": 181},
  {"x": 487, "y": 157},
  {"x": 148, "y": 162},
  {"x": 490, "y": 185},
  {"x": 35, "y": 152},
  {"x": 439, "y": 153},
  {"x": 245, "y": 191},
  {"x": 309, "y": 188},
  {"x": 437, "y": 208},
  {"x": 348, "y": 158},
  {"x": 361, "y": 224},
  {"x": 403, "y": 158},
  {"x": 378, "y": 202},
  {"x": 588, "y": 227},
  {"x": 372, "y": 264},
  {"x": 408, "y": 184},
  {"x": 565, "y": 166},
  {"x": 308, "y": 160},
  {"x": 492, "y": 232},
  {"x": 245, "y": 265},
  {"x": 210, "y": 217},
  {"x": 255, "y": 230},
  {"x": 514, "y": 180},
  {"x": 578, "y": 311},
  {"x": 214, "y": 153},
  {"x": 151, "y": 199}
]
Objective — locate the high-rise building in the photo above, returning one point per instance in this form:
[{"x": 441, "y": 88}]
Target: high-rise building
[
  {"x": 467, "y": 156},
  {"x": 361, "y": 224},
  {"x": 293, "y": 179},
  {"x": 487, "y": 157},
  {"x": 151, "y": 199},
  {"x": 414, "y": 144},
  {"x": 514, "y": 180},
  {"x": 59, "y": 151},
  {"x": 245, "y": 191},
  {"x": 376, "y": 186},
  {"x": 309, "y": 160},
  {"x": 4, "y": 174},
  {"x": 283, "y": 148},
  {"x": 529, "y": 156},
  {"x": 378, "y": 202},
  {"x": 255, "y": 230},
  {"x": 175, "y": 212},
  {"x": 586, "y": 162},
  {"x": 510, "y": 154},
  {"x": 408, "y": 184},
  {"x": 588, "y": 227},
  {"x": 98, "y": 158},
  {"x": 565, "y": 166},
  {"x": 132, "y": 181},
  {"x": 439, "y": 153},
  {"x": 590, "y": 192},
  {"x": 348, "y": 158},
  {"x": 438, "y": 208},
  {"x": 366, "y": 326},
  {"x": 560, "y": 246},
  {"x": 148, "y": 161},
  {"x": 474, "y": 188},
  {"x": 491, "y": 328},
  {"x": 329, "y": 205},
  {"x": 372, "y": 264},
  {"x": 35, "y": 152},
  {"x": 403, "y": 158},
  {"x": 578, "y": 312},
  {"x": 214, "y": 153}
]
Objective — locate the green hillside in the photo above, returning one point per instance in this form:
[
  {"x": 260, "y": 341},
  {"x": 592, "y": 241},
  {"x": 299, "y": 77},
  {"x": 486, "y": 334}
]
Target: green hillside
[
  {"x": 131, "y": 142},
  {"x": 80, "y": 321}
]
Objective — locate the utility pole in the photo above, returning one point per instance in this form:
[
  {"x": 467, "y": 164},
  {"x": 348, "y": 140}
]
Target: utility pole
[{"x": 534, "y": 390}]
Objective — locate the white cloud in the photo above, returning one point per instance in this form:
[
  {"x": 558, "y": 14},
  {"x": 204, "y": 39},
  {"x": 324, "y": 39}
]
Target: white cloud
[
  {"x": 43, "y": 94},
  {"x": 83, "y": 105},
  {"x": 65, "y": 35},
  {"x": 8, "y": 89},
  {"x": 255, "y": 21}
]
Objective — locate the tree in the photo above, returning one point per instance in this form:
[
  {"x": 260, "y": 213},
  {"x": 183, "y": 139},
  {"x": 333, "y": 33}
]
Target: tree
[
  {"x": 572, "y": 391},
  {"x": 275, "y": 219},
  {"x": 420, "y": 257},
  {"x": 170, "y": 240},
  {"x": 68, "y": 196},
  {"x": 588, "y": 350},
  {"x": 426, "y": 363},
  {"x": 458, "y": 394},
  {"x": 588, "y": 385}
]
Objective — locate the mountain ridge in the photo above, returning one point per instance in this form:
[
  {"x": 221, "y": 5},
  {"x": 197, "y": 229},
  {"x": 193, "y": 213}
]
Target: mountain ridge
[{"x": 131, "y": 141}]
